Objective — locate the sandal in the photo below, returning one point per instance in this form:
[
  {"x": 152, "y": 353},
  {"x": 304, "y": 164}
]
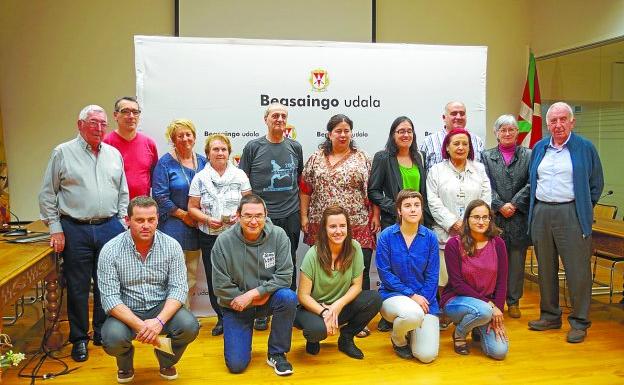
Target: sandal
[
  {"x": 363, "y": 333},
  {"x": 460, "y": 345}
]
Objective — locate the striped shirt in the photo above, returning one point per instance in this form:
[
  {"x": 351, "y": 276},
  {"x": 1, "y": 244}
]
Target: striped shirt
[
  {"x": 432, "y": 147},
  {"x": 124, "y": 278}
]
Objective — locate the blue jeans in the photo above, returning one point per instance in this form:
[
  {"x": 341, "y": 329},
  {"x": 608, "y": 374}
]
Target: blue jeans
[
  {"x": 83, "y": 243},
  {"x": 471, "y": 313},
  {"x": 238, "y": 328}
]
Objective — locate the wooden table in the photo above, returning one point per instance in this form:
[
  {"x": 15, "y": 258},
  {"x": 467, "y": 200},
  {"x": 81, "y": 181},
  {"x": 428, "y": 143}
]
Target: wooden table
[
  {"x": 607, "y": 243},
  {"x": 22, "y": 266}
]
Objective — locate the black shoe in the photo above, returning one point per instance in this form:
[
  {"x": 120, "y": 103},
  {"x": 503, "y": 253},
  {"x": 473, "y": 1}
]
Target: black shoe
[
  {"x": 383, "y": 325},
  {"x": 347, "y": 346},
  {"x": 313, "y": 348},
  {"x": 218, "y": 329},
  {"x": 79, "y": 352},
  {"x": 576, "y": 335},
  {"x": 476, "y": 335},
  {"x": 97, "y": 339},
  {"x": 542, "y": 324},
  {"x": 261, "y": 323},
  {"x": 280, "y": 364},
  {"x": 402, "y": 351}
]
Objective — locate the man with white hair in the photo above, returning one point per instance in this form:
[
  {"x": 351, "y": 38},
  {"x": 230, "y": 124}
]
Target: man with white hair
[
  {"x": 83, "y": 198},
  {"x": 454, "y": 116},
  {"x": 566, "y": 182},
  {"x": 274, "y": 164}
]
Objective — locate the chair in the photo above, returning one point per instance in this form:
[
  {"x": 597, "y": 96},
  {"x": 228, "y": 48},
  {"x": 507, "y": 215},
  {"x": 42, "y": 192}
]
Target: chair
[
  {"x": 600, "y": 287},
  {"x": 605, "y": 211}
]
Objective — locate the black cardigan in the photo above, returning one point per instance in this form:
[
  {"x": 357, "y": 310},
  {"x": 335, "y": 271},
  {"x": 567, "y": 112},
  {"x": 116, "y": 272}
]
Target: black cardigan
[{"x": 385, "y": 183}]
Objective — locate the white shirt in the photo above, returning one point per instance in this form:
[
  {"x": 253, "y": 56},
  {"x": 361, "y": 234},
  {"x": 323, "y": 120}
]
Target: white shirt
[
  {"x": 449, "y": 192},
  {"x": 219, "y": 194},
  {"x": 554, "y": 175}
]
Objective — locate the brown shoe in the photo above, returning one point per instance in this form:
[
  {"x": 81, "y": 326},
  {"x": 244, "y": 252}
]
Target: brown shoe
[
  {"x": 542, "y": 324},
  {"x": 576, "y": 335},
  {"x": 169, "y": 373},
  {"x": 125, "y": 376},
  {"x": 460, "y": 345},
  {"x": 514, "y": 311}
]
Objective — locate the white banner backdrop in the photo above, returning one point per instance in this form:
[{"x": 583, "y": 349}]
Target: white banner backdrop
[{"x": 224, "y": 86}]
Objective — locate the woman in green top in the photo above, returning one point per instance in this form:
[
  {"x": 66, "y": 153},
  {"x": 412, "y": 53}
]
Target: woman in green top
[
  {"x": 400, "y": 165},
  {"x": 330, "y": 287}
]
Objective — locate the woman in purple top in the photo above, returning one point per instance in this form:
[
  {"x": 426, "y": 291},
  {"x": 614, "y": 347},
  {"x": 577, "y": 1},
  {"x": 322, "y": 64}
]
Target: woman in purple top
[{"x": 475, "y": 294}]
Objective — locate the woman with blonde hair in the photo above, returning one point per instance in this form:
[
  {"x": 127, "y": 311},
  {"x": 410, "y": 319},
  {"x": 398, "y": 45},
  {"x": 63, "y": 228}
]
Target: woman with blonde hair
[{"x": 171, "y": 181}]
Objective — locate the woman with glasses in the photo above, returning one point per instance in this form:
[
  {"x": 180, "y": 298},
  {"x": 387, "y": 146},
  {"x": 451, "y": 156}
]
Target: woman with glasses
[
  {"x": 451, "y": 185},
  {"x": 399, "y": 166},
  {"x": 507, "y": 166},
  {"x": 171, "y": 181},
  {"x": 214, "y": 196},
  {"x": 474, "y": 297},
  {"x": 337, "y": 173},
  {"x": 330, "y": 287}
]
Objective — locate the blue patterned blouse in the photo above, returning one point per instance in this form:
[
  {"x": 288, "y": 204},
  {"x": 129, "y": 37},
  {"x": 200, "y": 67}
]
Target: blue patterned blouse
[{"x": 170, "y": 186}]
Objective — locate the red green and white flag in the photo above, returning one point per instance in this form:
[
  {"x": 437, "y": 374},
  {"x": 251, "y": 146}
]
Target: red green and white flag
[{"x": 530, "y": 116}]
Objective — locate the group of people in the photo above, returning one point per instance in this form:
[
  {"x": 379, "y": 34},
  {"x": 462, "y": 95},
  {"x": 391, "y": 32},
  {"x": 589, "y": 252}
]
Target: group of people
[{"x": 450, "y": 223}]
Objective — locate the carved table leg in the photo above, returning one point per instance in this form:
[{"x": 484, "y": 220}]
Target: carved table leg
[{"x": 55, "y": 339}]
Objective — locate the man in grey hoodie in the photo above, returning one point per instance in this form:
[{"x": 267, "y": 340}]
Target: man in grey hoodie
[{"x": 251, "y": 275}]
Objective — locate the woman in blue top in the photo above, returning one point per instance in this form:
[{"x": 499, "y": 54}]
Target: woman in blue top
[
  {"x": 408, "y": 266},
  {"x": 171, "y": 181}
]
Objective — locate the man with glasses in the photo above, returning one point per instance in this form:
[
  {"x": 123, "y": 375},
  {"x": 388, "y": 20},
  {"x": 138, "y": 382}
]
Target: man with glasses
[
  {"x": 137, "y": 149},
  {"x": 251, "y": 274},
  {"x": 566, "y": 180},
  {"x": 83, "y": 199},
  {"x": 454, "y": 116},
  {"x": 274, "y": 164}
]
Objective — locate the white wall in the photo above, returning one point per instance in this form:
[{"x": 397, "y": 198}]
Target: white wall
[{"x": 57, "y": 57}]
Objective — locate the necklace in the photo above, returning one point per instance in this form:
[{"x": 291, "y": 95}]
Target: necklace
[{"x": 188, "y": 182}]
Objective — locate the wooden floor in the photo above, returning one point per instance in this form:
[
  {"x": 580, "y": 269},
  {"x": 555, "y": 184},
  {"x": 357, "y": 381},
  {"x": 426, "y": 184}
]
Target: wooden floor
[{"x": 534, "y": 357}]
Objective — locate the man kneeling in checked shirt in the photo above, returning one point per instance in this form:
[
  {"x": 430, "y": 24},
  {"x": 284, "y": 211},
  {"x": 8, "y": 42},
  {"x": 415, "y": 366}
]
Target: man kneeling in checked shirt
[{"x": 142, "y": 280}]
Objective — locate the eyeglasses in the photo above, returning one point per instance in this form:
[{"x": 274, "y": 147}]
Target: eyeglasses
[
  {"x": 508, "y": 130},
  {"x": 127, "y": 111},
  {"x": 249, "y": 218},
  {"x": 477, "y": 218},
  {"x": 95, "y": 123},
  {"x": 405, "y": 132}
]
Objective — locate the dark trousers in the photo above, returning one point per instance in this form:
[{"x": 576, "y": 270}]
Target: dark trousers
[
  {"x": 516, "y": 255},
  {"x": 354, "y": 316},
  {"x": 206, "y": 243},
  {"x": 117, "y": 337},
  {"x": 368, "y": 255},
  {"x": 292, "y": 227},
  {"x": 556, "y": 232},
  {"x": 83, "y": 243}
]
